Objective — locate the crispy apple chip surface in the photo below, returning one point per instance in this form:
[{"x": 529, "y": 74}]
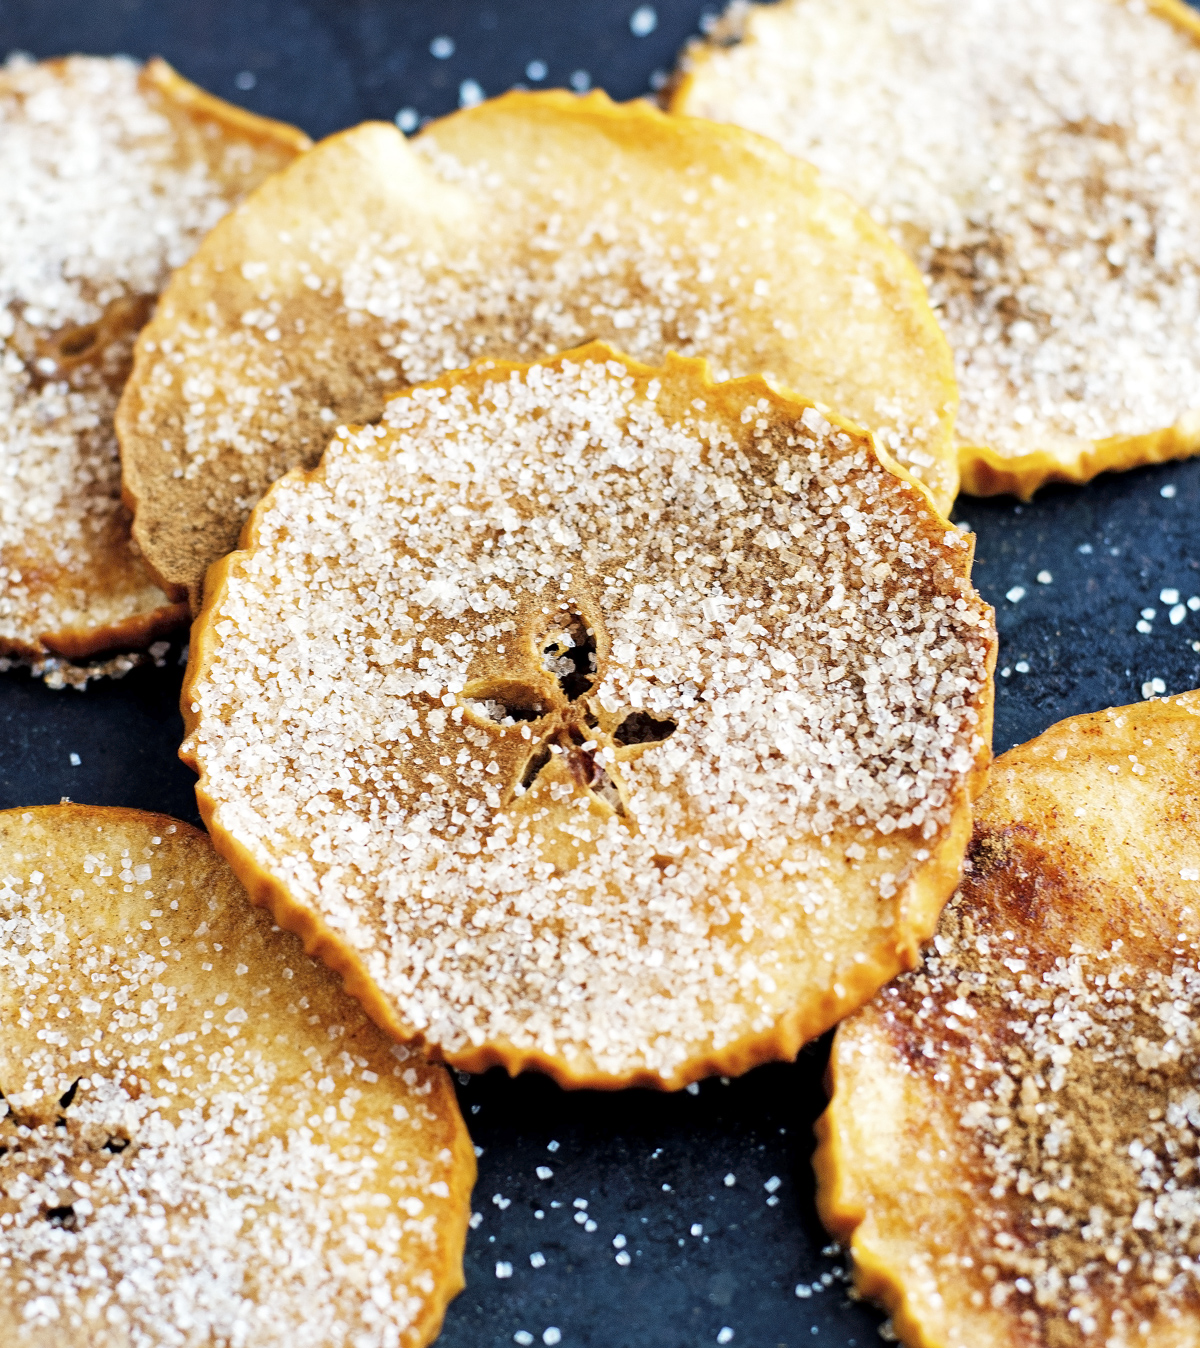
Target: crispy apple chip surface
[
  {"x": 109, "y": 177},
  {"x": 526, "y": 226},
  {"x": 597, "y": 718},
  {"x": 1037, "y": 161},
  {"x": 203, "y": 1139},
  {"x": 1012, "y": 1141}
]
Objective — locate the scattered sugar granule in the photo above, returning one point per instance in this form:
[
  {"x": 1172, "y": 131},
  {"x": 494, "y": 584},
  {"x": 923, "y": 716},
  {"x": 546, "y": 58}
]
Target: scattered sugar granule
[{"x": 643, "y": 21}]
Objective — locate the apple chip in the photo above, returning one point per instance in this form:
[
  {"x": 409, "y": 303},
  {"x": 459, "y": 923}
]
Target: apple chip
[
  {"x": 203, "y": 1140},
  {"x": 526, "y": 226},
  {"x": 110, "y": 174},
  {"x": 1037, "y": 162},
  {"x": 597, "y": 718},
  {"x": 1011, "y": 1149}
]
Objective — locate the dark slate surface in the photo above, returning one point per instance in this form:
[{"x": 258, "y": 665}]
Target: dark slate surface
[{"x": 731, "y": 1161}]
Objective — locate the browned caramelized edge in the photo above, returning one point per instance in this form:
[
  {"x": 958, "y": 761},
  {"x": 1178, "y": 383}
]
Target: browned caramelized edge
[
  {"x": 986, "y": 472},
  {"x": 203, "y": 106}
]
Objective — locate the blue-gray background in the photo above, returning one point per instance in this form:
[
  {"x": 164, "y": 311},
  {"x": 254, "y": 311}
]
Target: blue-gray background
[{"x": 730, "y": 1162}]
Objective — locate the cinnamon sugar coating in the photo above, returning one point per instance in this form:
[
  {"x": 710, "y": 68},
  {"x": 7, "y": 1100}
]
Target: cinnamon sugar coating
[
  {"x": 529, "y": 225},
  {"x": 202, "y": 1139},
  {"x": 597, "y": 717},
  {"x": 1037, "y": 161},
  {"x": 1012, "y": 1143},
  {"x": 109, "y": 176}
]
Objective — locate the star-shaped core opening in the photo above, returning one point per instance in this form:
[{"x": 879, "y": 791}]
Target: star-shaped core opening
[{"x": 564, "y": 722}]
